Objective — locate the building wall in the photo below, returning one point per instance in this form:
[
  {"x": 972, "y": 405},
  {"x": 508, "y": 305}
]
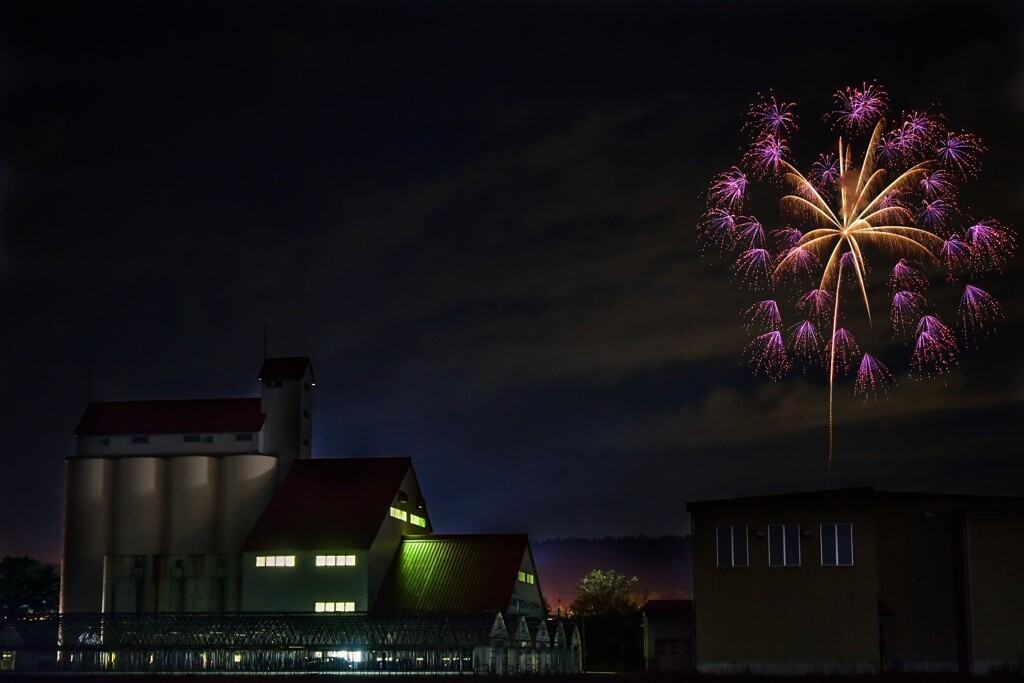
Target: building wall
[
  {"x": 786, "y": 619},
  {"x": 152, "y": 584},
  {"x": 526, "y": 597},
  {"x": 162, "y": 444},
  {"x": 996, "y": 589},
  {"x": 298, "y": 588},
  {"x": 288, "y": 429},
  {"x": 152, "y": 506},
  {"x": 918, "y": 542}
]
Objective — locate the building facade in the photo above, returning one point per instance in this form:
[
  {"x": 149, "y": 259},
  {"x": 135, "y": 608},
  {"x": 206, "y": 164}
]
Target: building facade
[
  {"x": 211, "y": 513},
  {"x": 857, "y": 581}
]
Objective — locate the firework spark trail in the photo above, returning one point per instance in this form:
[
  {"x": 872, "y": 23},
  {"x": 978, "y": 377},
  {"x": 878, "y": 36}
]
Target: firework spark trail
[
  {"x": 897, "y": 203},
  {"x": 979, "y": 313}
]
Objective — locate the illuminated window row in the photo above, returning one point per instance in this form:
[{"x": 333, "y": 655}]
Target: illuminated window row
[
  {"x": 527, "y": 577},
  {"x": 335, "y": 560},
  {"x": 418, "y": 521},
  {"x": 334, "y": 607},
  {"x": 275, "y": 560},
  {"x": 400, "y": 514}
]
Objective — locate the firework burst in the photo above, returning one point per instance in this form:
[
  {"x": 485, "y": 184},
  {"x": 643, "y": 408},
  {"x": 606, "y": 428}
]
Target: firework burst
[{"x": 883, "y": 201}]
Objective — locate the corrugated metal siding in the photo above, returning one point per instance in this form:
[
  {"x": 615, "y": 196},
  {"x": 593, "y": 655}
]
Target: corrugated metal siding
[{"x": 453, "y": 574}]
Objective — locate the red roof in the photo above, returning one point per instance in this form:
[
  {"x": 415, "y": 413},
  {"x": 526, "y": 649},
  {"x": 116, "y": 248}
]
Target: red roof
[
  {"x": 453, "y": 573},
  {"x": 285, "y": 368},
  {"x": 329, "y": 504},
  {"x": 208, "y": 415}
]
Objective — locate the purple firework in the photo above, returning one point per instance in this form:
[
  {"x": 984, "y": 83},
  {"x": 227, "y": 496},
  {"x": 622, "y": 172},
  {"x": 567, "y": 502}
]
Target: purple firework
[
  {"x": 935, "y": 348},
  {"x": 763, "y": 316},
  {"x": 935, "y": 213},
  {"x": 936, "y": 183},
  {"x": 767, "y": 355},
  {"x": 905, "y": 276},
  {"x": 728, "y": 189},
  {"x": 858, "y": 109},
  {"x": 816, "y": 305},
  {"x": 884, "y": 197},
  {"x": 960, "y": 152},
  {"x": 771, "y": 116},
  {"x": 979, "y": 313},
  {"x": 805, "y": 343},
  {"x": 957, "y": 257},
  {"x": 824, "y": 174},
  {"x": 718, "y": 229},
  {"x": 845, "y": 350},
  {"x": 749, "y": 233},
  {"x": 906, "y": 308},
  {"x": 872, "y": 377},
  {"x": 785, "y": 239},
  {"x": 754, "y": 266},
  {"x": 799, "y": 264},
  {"x": 991, "y": 244},
  {"x": 766, "y": 155}
]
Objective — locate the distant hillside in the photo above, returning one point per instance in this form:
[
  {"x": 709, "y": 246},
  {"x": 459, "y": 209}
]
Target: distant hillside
[{"x": 661, "y": 564}]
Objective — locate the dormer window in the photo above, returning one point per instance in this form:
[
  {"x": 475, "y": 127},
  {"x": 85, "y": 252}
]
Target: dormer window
[
  {"x": 140, "y": 439},
  {"x": 191, "y": 438},
  {"x": 243, "y": 437}
]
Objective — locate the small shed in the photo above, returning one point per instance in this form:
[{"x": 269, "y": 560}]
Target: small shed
[{"x": 668, "y": 635}]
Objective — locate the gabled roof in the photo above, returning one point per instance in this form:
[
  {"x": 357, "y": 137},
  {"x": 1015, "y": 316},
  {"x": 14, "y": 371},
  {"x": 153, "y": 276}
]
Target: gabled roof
[
  {"x": 456, "y": 573},
  {"x": 285, "y": 368},
  {"x": 329, "y": 504},
  {"x": 208, "y": 415}
]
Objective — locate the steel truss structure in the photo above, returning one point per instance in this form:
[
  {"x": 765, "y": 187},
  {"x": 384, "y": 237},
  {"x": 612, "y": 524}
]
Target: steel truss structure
[{"x": 471, "y": 643}]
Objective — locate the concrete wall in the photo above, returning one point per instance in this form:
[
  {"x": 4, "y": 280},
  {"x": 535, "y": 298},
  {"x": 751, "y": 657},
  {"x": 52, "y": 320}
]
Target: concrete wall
[
  {"x": 801, "y": 619},
  {"x": 155, "y": 506}
]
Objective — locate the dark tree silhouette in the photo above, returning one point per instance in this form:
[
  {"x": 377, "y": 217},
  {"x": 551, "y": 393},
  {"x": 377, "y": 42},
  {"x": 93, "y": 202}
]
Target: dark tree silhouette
[{"x": 28, "y": 586}]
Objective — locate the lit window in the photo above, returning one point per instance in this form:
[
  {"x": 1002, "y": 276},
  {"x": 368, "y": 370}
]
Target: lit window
[
  {"x": 527, "y": 577},
  {"x": 837, "y": 545},
  {"x": 334, "y": 607},
  {"x": 400, "y": 514},
  {"x": 275, "y": 560},
  {"x": 335, "y": 560},
  {"x": 783, "y": 545},
  {"x": 417, "y": 520},
  {"x": 732, "y": 546}
]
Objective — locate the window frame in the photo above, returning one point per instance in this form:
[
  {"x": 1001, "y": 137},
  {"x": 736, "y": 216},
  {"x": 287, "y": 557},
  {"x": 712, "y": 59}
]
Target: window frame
[
  {"x": 835, "y": 559},
  {"x": 733, "y": 528},
  {"x": 785, "y": 549}
]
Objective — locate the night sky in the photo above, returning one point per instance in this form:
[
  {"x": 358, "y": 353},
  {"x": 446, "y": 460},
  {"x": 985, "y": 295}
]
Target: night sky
[{"x": 478, "y": 219}]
